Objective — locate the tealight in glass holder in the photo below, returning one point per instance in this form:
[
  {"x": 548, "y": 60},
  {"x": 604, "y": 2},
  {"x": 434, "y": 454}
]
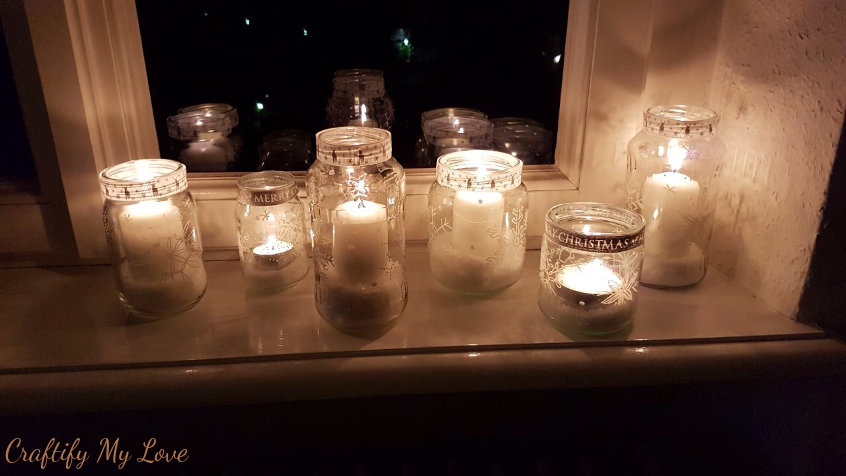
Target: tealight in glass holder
[
  {"x": 591, "y": 258},
  {"x": 153, "y": 238},
  {"x": 672, "y": 164},
  {"x": 270, "y": 223},
  {"x": 477, "y": 221},
  {"x": 356, "y": 191}
]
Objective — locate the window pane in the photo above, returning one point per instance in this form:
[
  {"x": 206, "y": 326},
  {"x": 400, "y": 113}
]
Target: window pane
[
  {"x": 17, "y": 164},
  {"x": 274, "y": 61}
]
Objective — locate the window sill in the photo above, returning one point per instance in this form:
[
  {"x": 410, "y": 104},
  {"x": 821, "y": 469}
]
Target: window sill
[{"x": 67, "y": 345}]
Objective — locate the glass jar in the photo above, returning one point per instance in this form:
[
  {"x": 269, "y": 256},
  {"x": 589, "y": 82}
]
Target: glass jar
[
  {"x": 153, "y": 237},
  {"x": 201, "y": 140},
  {"x": 286, "y": 149},
  {"x": 525, "y": 139},
  {"x": 270, "y": 222},
  {"x": 230, "y": 113},
  {"x": 359, "y": 99},
  {"x": 478, "y": 210},
  {"x": 356, "y": 191},
  {"x": 449, "y": 130},
  {"x": 591, "y": 258},
  {"x": 672, "y": 164}
]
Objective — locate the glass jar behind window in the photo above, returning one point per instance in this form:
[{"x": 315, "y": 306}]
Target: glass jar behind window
[
  {"x": 153, "y": 237},
  {"x": 525, "y": 139},
  {"x": 359, "y": 99},
  {"x": 452, "y": 129},
  {"x": 201, "y": 140},
  {"x": 672, "y": 164},
  {"x": 356, "y": 191}
]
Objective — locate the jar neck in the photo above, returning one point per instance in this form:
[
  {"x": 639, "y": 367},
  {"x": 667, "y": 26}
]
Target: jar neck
[
  {"x": 198, "y": 125},
  {"x": 479, "y": 170},
  {"x": 143, "y": 179},
  {"x": 264, "y": 189},
  {"x": 680, "y": 121},
  {"x": 353, "y": 146}
]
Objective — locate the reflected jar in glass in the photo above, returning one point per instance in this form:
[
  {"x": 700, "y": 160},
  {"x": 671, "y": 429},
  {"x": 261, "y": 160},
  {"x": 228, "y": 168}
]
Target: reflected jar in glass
[
  {"x": 672, "y": 164},
  {"x": 286, "y": 149},
  {"x": 201, "y": 140},
  {"x": 356, "y": 191},
  {"x": 359, "y": 99},
  {"x": 452, "y": 129},
  {"x": 270, "y": 222},
  {"x": 478, "y": 208},
  {"x": 153, "y": 237},
  {"x": 525, "y": 139},
  {"x": 590, "y": 263}
]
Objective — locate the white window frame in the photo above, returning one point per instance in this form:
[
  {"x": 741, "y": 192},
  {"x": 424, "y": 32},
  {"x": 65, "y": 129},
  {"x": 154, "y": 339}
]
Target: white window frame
[{"x": 90, "y": 58}]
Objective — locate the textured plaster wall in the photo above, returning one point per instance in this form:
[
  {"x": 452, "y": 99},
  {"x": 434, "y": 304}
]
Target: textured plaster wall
[{"x": 779, "y": 81}]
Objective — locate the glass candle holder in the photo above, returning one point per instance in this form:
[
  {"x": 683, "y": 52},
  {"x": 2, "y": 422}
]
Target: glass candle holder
[
  {"x": 356, "y": 191},
  {"x": 527, "y": 141},
  {"x": 201, "y": 140},
  {"x": 450, "y": 130},
  {"x": 153, "y": 237},
  {"x": 477, "y": 221},
  {"x": 270, "y": 223},
  {"x": 672, "y": 164},
  {"x": 286, "y": 149},
  {"x": 359, "y": 99},
  {"x": 591, "y": 258}
]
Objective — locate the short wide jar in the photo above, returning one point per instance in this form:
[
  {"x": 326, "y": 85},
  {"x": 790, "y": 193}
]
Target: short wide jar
[
  {"x": 270, "y": 224},
  {"x": 591, "y": 258},
  {"x": 477, "y": 221},
  {"x": 153, "y": 237}
]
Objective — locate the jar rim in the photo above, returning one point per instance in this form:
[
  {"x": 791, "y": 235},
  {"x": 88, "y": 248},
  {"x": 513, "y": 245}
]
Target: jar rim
[
  {"x": 451, "y": 112},
  {"x": 267, "y": 188},
  {"x": 680, "y": 120},
  {"x": 142, "y": 179},
  {"x": 462, "y": 170},
  {"x": 194, "y": 124},
  {"x": 625, "y": 227},
  {"x": 353, "y": 145},
  {"x": 445, "y": 127}
]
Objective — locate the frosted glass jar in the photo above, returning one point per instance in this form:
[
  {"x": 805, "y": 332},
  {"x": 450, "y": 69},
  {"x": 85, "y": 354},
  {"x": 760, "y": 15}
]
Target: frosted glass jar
[
  {"x": 359, "y": 99},
  {"x": 452, "y": 129},
  {"x": 270, "y": 223},
  {"x": 356, "y": 192},
  {"x": 478, "y": 210},
  {"x": 672, "y": 164},
  {"x": 591, "y": 257},
  {"x": 152, "y": 233}
]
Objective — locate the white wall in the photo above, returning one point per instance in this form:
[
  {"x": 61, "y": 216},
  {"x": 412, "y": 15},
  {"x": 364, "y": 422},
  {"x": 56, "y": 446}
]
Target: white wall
[{"x": 779, "y": 81}]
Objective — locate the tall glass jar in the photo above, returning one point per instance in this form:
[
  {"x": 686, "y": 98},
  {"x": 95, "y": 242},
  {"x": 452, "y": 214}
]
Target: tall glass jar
[
  {"x": 270, "y": 223},
  {"x": 672, "y": 164},
  {"x": 591, "y": 258},
  {"x": 478, "y": 210},
  {"x": 451, "y": 129},
  {"x": 201, "y": 140},
  {"x": 153, "y": 237},
  {"x": 359, "y": 99},
  {"x": 356, "y": 191}
]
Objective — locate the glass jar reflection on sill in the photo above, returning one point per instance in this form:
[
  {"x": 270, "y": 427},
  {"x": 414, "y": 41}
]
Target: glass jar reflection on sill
[
  {"x": 590, "y": 264},
  {"x": 451, "y": 129},
  {"x": 359, "y": 99},
  {"x": 356, "y": 191},
  {"x": 286, "y": 149},
  {"x": 151, "y": 228},
  {"x": 672, "y": 164},
  {"x": 478, "y": 210},
  {"x": 270, "y": 222},
  {"x": 525, "y": 139},
  {"x": 201, "y": 140}
]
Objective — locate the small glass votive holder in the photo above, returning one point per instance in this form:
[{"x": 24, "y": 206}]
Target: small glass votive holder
[
  {"x": 591, "y": 258},
  {"x": 270, "y": 221},
  {"x": 478, "y": 208}
]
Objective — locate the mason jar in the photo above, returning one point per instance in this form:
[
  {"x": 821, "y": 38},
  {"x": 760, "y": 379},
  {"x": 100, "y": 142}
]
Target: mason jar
[
  {"x": 672, "y": 164},
  {"x": 201, "y": 140},
  {"x": 356, "y": 191},
  {"x": 153, "y": 238},
  {"x": 230, "y": 115},
  {"x": 590, "y": 264},
  {"x": 451, "y": 129},
  {"x": 359, "y": 99},
  {"x": 271, "y": 241},
  {"x": 478, "y": 208}
]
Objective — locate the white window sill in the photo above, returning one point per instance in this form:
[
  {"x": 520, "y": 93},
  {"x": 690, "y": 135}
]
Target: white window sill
[{"x": 65, "y": 343}]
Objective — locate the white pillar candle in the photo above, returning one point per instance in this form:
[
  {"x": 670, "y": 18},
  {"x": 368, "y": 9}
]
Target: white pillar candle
[
  {"x": 670, "y": 202},
  {"x": 477, "y": 222},
  {"x": 360, "y": 241},
  {"x": 592, "y": 277},
  {"x": 147, "y": 224}
]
